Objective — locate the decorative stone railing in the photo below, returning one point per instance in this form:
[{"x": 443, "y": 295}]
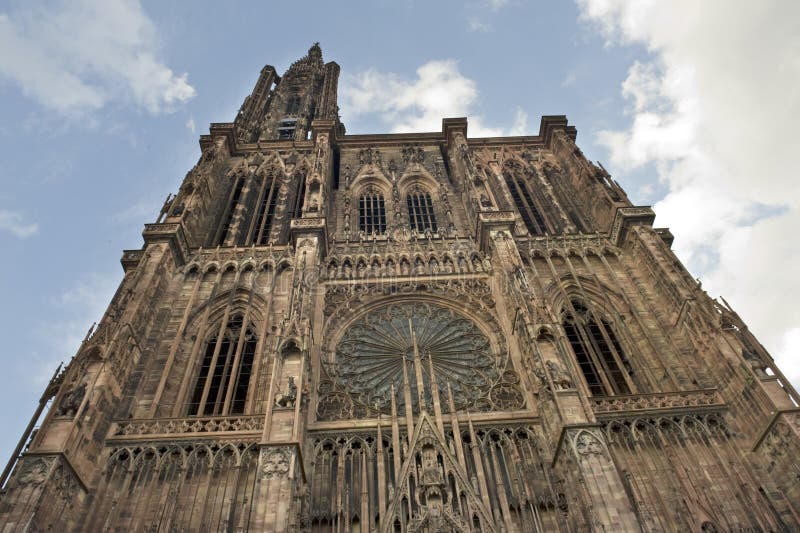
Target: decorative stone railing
[
  {"x": 186, "y": 427},
  {"x": 663, "y": 401},
  {"x": 377, "y": 260}
]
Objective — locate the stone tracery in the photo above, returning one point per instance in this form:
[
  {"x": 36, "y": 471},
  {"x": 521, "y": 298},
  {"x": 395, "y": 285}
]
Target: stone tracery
[{"x": 370, "y": 357}]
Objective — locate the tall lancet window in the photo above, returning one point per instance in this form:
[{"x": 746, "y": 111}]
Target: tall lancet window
[
  {"x": 300, "y": 195},
  {"x": 420, "y": 211},
  {"x": 225, "y": 227},
  {"x": 597, "y": 351},
  {"x": 371, "y": 213},
  {"x": 262, "y": 226},
  {"x": 224, "y": 377},
  {"x": 293, "y": 105},
  {"x": 527, "y": 208}
]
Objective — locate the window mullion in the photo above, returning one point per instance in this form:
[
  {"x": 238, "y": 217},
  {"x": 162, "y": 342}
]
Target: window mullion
[
  {"x": 601, "y": 326},
  {"x": 254, "y": 232},
  {"x": 373, "y": 213},
  {"x": 382, "y": 215},
  {"x": 223, "y": 377},
  {"x": 596, "y": 354},
  {"x": 584, "y": 361},
  {"x": 262, "y": 223},
  {"x": 220, "y": 336},
  {"x": 428, "y": 222},
  {"x": 266, "y": 228},
  {"x": 419, "y": 214},
  {"x": 526, "y": 205},
  {"x": 230, "y": 388}
]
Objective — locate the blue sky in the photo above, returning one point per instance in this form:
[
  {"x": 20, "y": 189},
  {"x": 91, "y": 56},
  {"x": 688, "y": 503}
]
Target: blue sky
[{"x": 103, "y": 101}]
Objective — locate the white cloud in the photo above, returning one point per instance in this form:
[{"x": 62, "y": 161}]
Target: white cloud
[
  {"x": 497, "y": 4},
  {"x": 476, "y": 25},
  {"x": 76, "y": 57},
  {"x": 713, "y": 110},
  {"x": 439, "y": 91},
  {"x": 190, "y": 125},
  {"x": 71, "y": 314},
  {"x": 15, "y": 224}
]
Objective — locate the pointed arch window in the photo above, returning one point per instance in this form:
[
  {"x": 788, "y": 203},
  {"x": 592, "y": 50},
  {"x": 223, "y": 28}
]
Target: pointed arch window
[
  {"x": 420, "y": 211},
  {"x": 225, "y": 227},
  {"x": 224, "y": 377},
  {"x": 597, "y": 351},
  {"x": 372, "y": 213},
  {"x": 300, "y": 195},
  {"x": 527, "y": 208},
  {"x": 265, "y": 214},
  {"x": 293, "y": 105}
]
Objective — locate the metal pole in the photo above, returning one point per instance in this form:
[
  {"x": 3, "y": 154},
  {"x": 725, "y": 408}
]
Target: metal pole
[{"x": 15, "y": 456}]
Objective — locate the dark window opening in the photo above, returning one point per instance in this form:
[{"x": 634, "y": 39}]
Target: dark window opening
[
  {"x": 265, "y": 214},
  {"x": 228, "y": 219},
  {"x": 300, "y": 197},
  {"x": 336, "y": 158},
  {"x": 531, "y": 216},
  {"x": 372, "y": 214},
  {"x": 597, "y": 351},
  {"x": 420, "y": 212},
  {"x": 286, "y": 128},
  {"x": 225, "y": 370},
  {"x": 293, "y": 105}
]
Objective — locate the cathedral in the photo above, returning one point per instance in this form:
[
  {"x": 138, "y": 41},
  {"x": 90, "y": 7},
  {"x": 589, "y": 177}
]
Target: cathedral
[{"x": 397, "y": 333}]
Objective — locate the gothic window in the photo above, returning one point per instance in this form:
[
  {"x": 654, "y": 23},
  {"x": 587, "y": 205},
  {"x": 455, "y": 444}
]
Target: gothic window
[
  {"x": 420, "y": 211},
  {"x": 597, "y": 351},
  {"x": 293, "y": 105},
  {"x": 230, "y": 211},
  {"x": 221, "y": 386},
  {"x": 286, "y": 128},
  {"x": 371, "y": 213},
  {"x": 527, "y": 208},
  {"x": 266, "y": 212},
  {"x": 300, "y": 196}
]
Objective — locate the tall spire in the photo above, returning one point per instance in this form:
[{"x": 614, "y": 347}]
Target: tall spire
[{"x": 282, "y": 108}]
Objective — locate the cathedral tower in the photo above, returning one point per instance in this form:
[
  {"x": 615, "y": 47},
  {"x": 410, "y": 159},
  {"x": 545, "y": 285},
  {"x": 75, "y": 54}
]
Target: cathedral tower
[{"x": 404, "y": 333}]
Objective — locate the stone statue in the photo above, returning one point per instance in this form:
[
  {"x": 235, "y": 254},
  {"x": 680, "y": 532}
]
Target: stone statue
[
  {"x": 560, "y": 378},
  {"x": 288, "y": 398},
  {"x": 71, "y": 401}
]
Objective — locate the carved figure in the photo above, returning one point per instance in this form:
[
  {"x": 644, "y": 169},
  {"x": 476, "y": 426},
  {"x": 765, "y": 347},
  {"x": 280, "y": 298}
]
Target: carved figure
[
  {"x": 71, "y": 401},
  {"x": 560, "y": 378},
  {"x": 288, "y": 398}
]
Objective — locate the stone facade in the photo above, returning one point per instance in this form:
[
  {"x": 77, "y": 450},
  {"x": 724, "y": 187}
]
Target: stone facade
[{"x": 402, "y": 333}]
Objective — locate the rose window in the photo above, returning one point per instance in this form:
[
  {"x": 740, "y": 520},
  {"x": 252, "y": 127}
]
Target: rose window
[{"x": 369, "y": 357}]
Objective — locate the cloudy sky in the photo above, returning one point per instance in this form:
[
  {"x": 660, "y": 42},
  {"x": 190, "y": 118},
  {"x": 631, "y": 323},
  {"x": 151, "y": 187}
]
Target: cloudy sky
[{"x": 690, "y": 105}]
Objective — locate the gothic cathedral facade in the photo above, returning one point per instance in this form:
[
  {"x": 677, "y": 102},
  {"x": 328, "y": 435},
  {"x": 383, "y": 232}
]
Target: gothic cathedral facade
[{"x": 406, "y": 333}]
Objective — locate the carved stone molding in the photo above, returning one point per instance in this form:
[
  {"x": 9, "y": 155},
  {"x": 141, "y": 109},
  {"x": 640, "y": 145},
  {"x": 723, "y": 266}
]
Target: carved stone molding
[
  {"x": 175, "y": 428},
  {"x": 33, "y": 470},
  {"x": 340, "y": 300},
  {"x": 609, "y": 406},
  {"x": 241, "y": 258},
  {"x": 629, "y": 216},
  {"x": 274, "y": 461},
  {"x": 587, "y": 442},
  {"x": 171, "y": 233},
  {"x": 381, "y": 260}
]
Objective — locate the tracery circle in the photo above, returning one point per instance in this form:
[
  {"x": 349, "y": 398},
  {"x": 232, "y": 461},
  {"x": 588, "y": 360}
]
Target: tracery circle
[{"x": 370, "y": 355}]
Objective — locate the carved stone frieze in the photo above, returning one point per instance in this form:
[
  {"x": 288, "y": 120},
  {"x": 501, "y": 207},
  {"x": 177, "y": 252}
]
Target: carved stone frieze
[
  {"x": 674, "y": 401},
  {"x": 341, "y": 299},
  {"x": 33, "y": 470},
  {"x": 379, "y": 260},
  {"x": 185, "y": 427}
]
